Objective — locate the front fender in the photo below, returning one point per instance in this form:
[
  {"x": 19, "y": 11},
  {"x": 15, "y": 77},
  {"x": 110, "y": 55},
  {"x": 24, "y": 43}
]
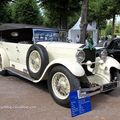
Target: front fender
[
  {"x": 74, "y": 67},
  {"x": 102, "y": 68},
  {"x": 111, "y": 62}
]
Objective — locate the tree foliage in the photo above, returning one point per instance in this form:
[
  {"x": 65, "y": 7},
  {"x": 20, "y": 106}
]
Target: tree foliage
[
  {"x": 2, "y": 2},
  {"x": 108, "y": 30},
  {"x": 26, "y": 11},
  {"x": 59, "y": 11},
  {"x": 113, "y": 10},
  {"x": 102, "y": 10},
  {"x": 98, "y": 12},
  {"x": 5, "y": 13}
]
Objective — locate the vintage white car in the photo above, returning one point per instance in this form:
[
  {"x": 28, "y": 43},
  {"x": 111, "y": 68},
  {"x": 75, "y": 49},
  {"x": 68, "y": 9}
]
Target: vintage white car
[{"x": 37, "y": 54}]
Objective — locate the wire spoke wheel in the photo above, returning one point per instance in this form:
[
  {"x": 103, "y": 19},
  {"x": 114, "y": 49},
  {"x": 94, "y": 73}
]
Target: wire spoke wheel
[
  {"x": 60, "y": 85},
  {"x": 34, "y": 61},
  {"x": 61, "y": 82}
]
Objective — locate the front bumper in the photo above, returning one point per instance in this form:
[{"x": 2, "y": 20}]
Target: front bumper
[{"x": 84, "y": 92}]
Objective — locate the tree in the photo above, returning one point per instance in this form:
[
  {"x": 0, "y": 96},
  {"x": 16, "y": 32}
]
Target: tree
[
  {"x": 83, "y": 24},
  {"x": 59, "y": 11},
  {"x": 26, "y": 11},
  {"x": 113, "y": 10},
  {"x": 98, "y": 12},
  {"x": 108, "y": 30},
  {"x": 102, "y": 10},
  {"x": 5, "y": 13},
  {"x": 2, "y": 2}
]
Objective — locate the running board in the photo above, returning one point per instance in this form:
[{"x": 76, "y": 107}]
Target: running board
[{"x": 19, "y": 73}]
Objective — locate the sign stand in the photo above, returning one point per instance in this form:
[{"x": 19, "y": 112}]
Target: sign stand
[{"x": 79, "y": 105}]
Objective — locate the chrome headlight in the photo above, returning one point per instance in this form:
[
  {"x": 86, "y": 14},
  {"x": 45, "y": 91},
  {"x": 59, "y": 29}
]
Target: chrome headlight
[
  {"x": 103, "y": 55},
  {"x": 80, "y": 56}
]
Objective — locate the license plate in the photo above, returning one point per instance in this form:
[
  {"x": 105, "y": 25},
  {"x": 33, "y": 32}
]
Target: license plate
[{"x": 109, "y": 86}]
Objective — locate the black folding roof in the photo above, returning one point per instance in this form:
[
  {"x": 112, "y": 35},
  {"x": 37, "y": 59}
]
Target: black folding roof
[{"x": 13, "y": 26}]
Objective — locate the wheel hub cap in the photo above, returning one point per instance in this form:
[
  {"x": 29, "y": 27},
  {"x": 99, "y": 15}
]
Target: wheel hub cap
[{"x": 34, "y": 61}]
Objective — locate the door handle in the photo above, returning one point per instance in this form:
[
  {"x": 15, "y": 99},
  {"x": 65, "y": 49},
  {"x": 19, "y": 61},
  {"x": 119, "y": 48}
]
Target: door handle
[
  {"x": 18, "y": 50},
  {"x": 6, "y": 48}
]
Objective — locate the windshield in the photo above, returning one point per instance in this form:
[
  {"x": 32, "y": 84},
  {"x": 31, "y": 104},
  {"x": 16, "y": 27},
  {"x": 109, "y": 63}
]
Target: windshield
[{"x": 40, "y": 35}]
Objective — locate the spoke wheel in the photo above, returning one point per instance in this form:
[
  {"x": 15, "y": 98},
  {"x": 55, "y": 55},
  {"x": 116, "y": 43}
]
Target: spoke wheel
[
  {"x": 61, "y": 82},
  {"x": 34, "y": 61},
  {"x": 60, "y": 85}
]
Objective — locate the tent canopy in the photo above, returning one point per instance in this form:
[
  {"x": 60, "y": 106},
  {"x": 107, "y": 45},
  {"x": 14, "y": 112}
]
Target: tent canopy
[{"x": 75, "y": 30}]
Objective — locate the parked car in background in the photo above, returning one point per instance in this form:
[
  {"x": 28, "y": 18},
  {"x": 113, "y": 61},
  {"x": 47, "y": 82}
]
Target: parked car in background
[
  {"x": 113, "y": 49},
  {"x": 37, "y": 54}
]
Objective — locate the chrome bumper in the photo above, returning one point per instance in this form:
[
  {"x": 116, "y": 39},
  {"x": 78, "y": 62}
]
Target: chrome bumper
[{"x": 84, "y": 92}]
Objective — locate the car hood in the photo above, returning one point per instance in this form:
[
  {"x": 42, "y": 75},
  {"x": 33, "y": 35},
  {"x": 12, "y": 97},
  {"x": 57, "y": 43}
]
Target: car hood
[{"x": 61, "y": 45}]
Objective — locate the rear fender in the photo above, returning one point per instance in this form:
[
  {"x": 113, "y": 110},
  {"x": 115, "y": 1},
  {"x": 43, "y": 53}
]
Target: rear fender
[{"x": 4, "y": 60}]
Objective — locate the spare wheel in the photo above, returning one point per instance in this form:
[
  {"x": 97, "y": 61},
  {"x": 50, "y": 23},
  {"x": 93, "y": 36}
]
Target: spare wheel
[{"x": 37, "y": 60}]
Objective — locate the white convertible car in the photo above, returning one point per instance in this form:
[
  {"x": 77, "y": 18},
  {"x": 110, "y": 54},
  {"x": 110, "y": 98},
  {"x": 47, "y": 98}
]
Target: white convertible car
[{"x": 38, "y": 54}]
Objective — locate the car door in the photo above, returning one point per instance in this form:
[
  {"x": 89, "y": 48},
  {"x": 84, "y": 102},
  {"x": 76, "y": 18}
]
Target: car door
[
  {"x": 12, "y": 51},
  {"x": 23, "y": 49}
]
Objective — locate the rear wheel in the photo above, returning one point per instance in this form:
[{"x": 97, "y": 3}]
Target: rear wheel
[
  {"x": 60, "y": 84},
  {"x": 4, "y": 72}
]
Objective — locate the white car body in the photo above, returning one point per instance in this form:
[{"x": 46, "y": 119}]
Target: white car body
[{"x": 13, "y": 57}]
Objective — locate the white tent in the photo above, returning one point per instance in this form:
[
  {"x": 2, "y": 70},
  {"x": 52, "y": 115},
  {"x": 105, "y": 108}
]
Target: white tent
[{"x": 75, "y": 30}]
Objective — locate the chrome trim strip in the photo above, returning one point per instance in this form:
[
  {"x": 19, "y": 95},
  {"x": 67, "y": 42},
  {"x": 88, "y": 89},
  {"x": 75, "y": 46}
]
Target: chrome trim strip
[
  {"x": 91, "y": 89},
  {"x": 95, "y": 90},
  {"x": 26, "y": 76}
]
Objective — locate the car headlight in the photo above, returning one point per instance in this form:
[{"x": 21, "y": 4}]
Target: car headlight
[
  {"x": 103, "y": 55},
  {"x": 80, "y": 56}
]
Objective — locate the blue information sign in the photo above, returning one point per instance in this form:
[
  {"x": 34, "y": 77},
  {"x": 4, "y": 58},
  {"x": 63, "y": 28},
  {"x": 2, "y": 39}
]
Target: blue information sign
[{"x": 79, "y": 105}]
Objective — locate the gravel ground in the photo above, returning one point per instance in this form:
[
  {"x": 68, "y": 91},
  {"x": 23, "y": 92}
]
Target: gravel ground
[{"x": 23, "y": 100}]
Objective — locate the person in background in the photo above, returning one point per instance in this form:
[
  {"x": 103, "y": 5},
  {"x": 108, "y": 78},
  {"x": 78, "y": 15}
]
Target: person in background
[
  {"x": 105, "y": 42},
  {"x": 89, "y": 41},
  {"x": 77, "y": 38}
]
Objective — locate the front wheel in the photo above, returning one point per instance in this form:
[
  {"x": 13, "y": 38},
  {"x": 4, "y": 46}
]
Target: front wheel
[
  {"x": 61, "y": 82},
  {"x": 115, "y": 76}
]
